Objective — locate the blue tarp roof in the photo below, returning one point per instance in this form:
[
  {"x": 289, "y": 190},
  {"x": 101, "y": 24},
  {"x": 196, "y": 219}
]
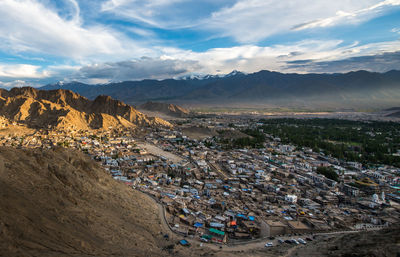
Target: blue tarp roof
[
  {"x": 241, "y": 216},
  {"x": 183, "y": 242}
]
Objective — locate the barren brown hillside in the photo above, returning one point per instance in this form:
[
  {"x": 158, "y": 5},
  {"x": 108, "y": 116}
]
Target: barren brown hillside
[
  {"x": 166, "y": 109},
  {"x": 381, "y": 243},
  {"x": 66, "y": 109},
  {"x": 60, "y": 203}
]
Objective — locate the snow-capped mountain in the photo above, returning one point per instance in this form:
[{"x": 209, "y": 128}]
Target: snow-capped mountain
[{"x": 199, "y": 76}]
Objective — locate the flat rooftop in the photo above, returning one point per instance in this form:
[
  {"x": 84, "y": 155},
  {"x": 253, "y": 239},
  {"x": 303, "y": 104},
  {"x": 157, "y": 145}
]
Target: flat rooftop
[{"x": 297, "y": 225}]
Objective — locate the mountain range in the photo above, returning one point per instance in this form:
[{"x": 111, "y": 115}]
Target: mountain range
[
  {"x": 264, "y": 88},
  {"x": 66, "y": 109}
]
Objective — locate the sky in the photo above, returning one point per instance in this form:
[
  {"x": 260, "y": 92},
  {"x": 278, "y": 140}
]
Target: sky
[{"x": 101, "y": 41}]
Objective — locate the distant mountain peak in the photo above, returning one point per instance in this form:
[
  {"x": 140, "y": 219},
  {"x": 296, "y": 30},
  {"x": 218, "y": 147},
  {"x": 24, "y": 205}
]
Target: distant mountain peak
[
  {"x": 234, "y": 73},
  {"x": 197, "y": 76}
]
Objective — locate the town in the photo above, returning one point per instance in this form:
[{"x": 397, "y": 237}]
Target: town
[{"x": 216, "y": 194}]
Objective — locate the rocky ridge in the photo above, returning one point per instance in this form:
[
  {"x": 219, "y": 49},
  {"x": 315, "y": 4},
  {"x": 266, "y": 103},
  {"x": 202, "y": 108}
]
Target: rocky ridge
[{"x": 66, "y": 109}]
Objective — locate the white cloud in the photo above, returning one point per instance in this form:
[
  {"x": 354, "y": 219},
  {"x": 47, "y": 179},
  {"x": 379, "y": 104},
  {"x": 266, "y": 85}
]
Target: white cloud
[
  {"x": 253, "y": 20},
  {"x": 302, "y": 56},
  {"x": 22, "y": 71},
  {"x": 250, "y": 58},
  {"x": 143, "y": 68},
  {"x": 349, "y": 17},
  {"x": 395, "y": 30},
  {"x": 165, "y": 14},
  {"x": 148, "y": 12},
  {"x": 142, "y": 32},
  {"x": 247, "y": 21},
  {"x": 74, "y": 11},
  {"x": 15, "y": 83},
  {"x": 29, "y": 26},
  {"x": 247, "y": 58},
  {"x": 381, "y": 62}
]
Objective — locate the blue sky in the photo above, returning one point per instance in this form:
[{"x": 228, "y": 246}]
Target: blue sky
[{"x": 98, "y": 41}]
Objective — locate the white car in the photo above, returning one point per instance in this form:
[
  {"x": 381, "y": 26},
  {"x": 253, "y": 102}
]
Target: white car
[
  {"x": 295, "y": 241},
  {"x": 269, "y": 244},
  {"x": 301, "y": 241}
]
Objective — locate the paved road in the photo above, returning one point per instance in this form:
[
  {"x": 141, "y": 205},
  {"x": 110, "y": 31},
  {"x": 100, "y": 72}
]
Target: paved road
[{"x": 161, "y": 212}]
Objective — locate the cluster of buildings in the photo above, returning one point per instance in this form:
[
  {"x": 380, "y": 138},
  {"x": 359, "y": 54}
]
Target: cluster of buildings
[{"x": 225, "y": 195}]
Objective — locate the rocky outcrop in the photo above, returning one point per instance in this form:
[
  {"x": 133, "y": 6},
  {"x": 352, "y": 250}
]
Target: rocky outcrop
[{"x": 66, "y": 109}]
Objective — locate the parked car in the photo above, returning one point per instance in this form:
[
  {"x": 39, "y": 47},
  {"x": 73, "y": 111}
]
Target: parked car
[
  {"x": 295, "y": 241},
  {"x": 269, "y": 244},
  {"x": 288, "y": 241},
  {"x": 281, "y": 241},
  {"x": 301, "y": 241}
]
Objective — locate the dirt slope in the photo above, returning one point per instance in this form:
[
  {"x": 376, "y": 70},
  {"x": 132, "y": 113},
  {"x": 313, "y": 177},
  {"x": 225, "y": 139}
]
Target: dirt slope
[
  {"x": 166, "y": 109},
  {"x": 60, "y": 203},
  {"x": 382, "y": 243}
]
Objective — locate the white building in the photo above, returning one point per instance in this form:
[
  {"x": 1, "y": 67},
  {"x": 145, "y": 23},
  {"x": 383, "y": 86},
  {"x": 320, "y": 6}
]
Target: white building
[{"x": 291, "y": 198}]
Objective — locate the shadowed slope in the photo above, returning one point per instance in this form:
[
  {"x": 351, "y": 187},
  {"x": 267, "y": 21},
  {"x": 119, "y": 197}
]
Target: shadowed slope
[
  {"x": 60, "y": 203},
  {"x": 164, "y": 108}
]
